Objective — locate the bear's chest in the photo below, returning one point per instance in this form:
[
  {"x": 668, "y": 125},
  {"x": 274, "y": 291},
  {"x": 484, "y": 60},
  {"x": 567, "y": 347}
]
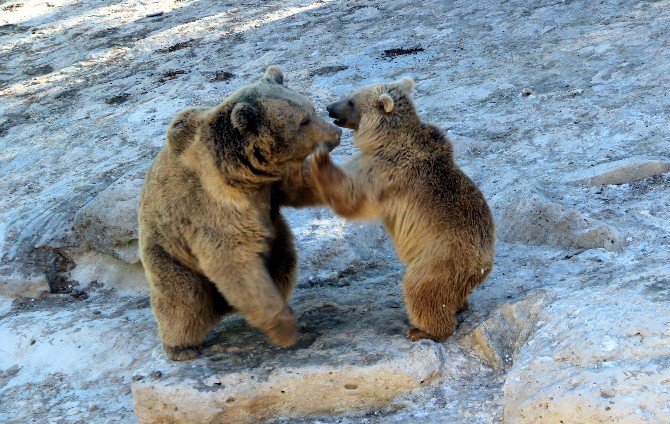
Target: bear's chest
[{"x": 268, "y": 216}]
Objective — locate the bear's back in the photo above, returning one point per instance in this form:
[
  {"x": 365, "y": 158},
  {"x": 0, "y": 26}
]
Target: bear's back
[{"x": 425, "y": 195}]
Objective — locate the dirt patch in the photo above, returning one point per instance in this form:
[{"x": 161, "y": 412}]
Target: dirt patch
[
  {"x": 12, "y": 7},
  {"x": 175, "y": 47},
  {"x": 328, "y": 70},
  {"x": 38, "y": 71},
  {"x": 391, "y": 53},
  {"x": 170, "y": 75},
  {"x": 118, "y": 99},
  {"x": 222, "y": 76},
  {"x": 67, "y": 94},
  {"x": 13, "y": 120}
]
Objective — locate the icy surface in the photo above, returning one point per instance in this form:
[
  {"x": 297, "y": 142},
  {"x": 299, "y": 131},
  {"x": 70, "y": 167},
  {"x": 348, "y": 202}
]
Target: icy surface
[{"x": 532, "y": 92}]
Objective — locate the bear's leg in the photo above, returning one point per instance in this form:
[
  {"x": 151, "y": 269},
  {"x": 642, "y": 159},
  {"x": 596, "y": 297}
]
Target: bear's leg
[
  {"x": 184, "y": 303},
  {"x": 282, "y": 261},
  {"x": 245, "y": 283},
  {"x": 432, "y": 297}
]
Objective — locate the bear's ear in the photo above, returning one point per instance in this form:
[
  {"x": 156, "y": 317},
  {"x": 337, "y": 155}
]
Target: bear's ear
[
  {"x": 274, "y": 74},
  {"x": 183, "y": 127},
  {"x": 407, "y": 83},
  {"x": 243, "y": 117},
  {"x": 386, "y": 102}
]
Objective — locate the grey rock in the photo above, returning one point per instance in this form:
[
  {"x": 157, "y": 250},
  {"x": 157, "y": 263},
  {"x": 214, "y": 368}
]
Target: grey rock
[
  {"x": 334, "y": 368},
  {"x": 13, "y": 286},
  {"x": 534, "y": 220},
  {"x": 109, "y": 221},
  {"x": 506, "y": 329},
  {"x": 600, "y": 355},
  {"x": 620, "y": 172}
]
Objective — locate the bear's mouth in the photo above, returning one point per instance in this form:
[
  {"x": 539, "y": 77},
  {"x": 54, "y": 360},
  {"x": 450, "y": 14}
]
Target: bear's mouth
[{"x": 340, "y": 122}]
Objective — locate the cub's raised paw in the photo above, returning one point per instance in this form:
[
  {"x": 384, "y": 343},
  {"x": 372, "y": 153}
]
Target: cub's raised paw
[
  {"x": 415, "y": 334},
  {"x": 320, "y": 157},
  {"x": 182, "y": 353}
]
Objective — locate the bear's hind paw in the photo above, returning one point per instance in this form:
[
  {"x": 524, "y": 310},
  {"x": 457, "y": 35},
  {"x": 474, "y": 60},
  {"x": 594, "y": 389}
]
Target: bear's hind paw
[
  {"x": 182, "y": 353},
  {"x": 415, "y": 334}
]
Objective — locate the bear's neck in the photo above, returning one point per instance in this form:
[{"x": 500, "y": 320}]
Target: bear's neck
[
  {"x": 231, "y": 185},
  {"x": 375, "y": 133},
  {"x": 404, "y": 141}
]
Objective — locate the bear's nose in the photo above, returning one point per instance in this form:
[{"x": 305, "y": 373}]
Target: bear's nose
[{"x": 330, "y": 108}]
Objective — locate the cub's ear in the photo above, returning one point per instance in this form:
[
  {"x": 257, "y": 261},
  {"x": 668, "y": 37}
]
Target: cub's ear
[
  {"x": 243, "y": 117},
  {"x": 386, "y": 102},
  {"x": 183, "y": 127},
  {"x": 274, "y": 74},
  {"x": 407, "y": 83}
]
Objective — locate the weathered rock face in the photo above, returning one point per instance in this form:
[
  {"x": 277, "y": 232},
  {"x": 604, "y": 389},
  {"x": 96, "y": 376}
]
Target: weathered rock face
[
  {"x": 534, "y": 220},
  {"x": 356, "y": 376},
  {"x": 620, "y": 172},
  {"x": 598, "y": 356},
  {"x": 505, "y": 331},
  {"x": 109, "y": 221}
]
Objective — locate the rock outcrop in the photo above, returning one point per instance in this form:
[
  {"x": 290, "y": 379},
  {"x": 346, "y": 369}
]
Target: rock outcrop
[
  {"x": 532, "y": 219},
  {"x": 599, "y": 356},
  {"x": 109, "y": 221},
  {"x": 621, "y": 171}
]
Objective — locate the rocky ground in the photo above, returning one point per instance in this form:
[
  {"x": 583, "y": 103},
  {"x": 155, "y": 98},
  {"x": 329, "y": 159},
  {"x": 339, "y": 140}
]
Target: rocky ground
[{"x": 559, "y": 110}]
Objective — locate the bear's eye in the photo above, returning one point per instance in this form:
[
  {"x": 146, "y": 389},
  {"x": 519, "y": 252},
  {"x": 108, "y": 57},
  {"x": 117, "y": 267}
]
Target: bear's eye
[
  {"x": 351, "y": 103},
  {"x": 304, "y": 121}
]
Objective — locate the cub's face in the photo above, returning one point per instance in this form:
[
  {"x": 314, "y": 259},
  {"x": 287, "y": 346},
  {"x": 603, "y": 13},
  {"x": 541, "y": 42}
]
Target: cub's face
[{"x": 374, "y": 101}]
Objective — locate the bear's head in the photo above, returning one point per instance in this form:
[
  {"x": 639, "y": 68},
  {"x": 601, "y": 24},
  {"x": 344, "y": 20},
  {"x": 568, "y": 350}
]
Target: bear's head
[
  {"x": 256, "y": 132},
  {"x": 375, "y": 107}
]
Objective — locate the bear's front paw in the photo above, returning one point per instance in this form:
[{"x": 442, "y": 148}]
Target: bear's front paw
[
  {"x": 283, "y": 332},
  {"x": 320, "y": 157},
  {"x": 182, "y": 353}
]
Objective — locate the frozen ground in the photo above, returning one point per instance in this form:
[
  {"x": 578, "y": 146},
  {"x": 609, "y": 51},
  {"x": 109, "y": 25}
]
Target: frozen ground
[{"x": 559, "y": 110}]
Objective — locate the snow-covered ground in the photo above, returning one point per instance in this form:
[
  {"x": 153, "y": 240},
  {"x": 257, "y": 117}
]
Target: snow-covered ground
[{"x": 559, "y": 110}]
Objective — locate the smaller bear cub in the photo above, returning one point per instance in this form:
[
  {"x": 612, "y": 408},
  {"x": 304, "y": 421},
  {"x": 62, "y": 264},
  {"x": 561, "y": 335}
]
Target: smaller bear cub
[{"x": 406, "y": 176}]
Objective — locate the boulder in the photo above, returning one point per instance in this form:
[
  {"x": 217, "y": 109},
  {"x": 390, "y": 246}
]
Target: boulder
[
  {"x": 108, "y": 223},
  {"x": 344, "y": 361},
  {"x": 599, "y": 355},
  {"x": 620, "y": 172},
  {"x": 532, "y": 219}
]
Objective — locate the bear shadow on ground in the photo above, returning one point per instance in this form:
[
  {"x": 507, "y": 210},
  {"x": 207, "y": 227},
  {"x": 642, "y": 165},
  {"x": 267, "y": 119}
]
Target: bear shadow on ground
[{"x": 353, "y": 324}]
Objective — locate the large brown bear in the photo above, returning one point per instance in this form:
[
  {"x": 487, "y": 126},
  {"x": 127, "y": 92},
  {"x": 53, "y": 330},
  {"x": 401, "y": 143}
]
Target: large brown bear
[
  {"x": 212, "y": 239},
  {"x": 405, "y": 176}
]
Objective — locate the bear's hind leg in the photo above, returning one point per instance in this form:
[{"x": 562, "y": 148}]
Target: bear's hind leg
[
  {"x": 432, "y": 300},
  {"x": 184, "y": 303},
  {"x": 282, "y": 261}
]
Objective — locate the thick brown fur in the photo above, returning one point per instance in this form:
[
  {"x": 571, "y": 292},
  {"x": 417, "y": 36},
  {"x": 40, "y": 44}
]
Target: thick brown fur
[
  {"x": 212, "y": 239},
  {"x": 405, "y": 176}
]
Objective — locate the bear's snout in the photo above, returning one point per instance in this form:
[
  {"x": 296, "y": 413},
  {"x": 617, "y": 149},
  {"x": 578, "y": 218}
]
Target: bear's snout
[
  {"x": 335, "y": 110},
  {"x": 339, "y": 112}
]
